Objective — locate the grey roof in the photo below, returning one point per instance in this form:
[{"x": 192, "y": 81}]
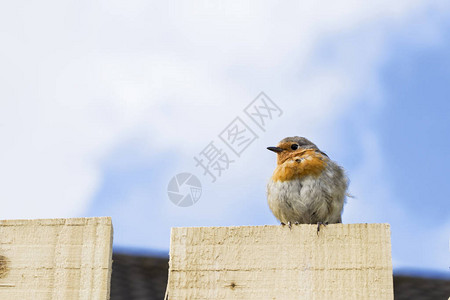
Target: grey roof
[{"x": 144, "y": 277}]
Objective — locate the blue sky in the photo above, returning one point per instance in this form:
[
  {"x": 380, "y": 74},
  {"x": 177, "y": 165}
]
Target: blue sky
[
  {"x": 416, "y": 125},
  {"x": 414, "y": 130},
  {"x": 102, "y": 104}
]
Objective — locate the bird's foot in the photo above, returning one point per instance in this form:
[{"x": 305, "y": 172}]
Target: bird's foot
[
  {"x": 318, "y": 226},
  {"x": 289, "y": 224}
]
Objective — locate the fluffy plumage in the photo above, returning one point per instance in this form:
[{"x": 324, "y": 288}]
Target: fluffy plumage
[{"x": 306, "y": 186}]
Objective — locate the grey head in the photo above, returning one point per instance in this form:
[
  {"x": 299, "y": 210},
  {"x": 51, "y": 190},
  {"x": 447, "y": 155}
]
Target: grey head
[
  {"x": 302, "y": 142},
  {"x": 294, "y": 143}
]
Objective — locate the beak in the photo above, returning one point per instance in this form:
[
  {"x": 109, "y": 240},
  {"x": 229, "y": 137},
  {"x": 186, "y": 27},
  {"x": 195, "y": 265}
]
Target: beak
[{"x": 275, "y": 149}]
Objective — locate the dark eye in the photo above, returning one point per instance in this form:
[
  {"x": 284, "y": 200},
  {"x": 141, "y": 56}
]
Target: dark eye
[{"x": 294, "y": 146}]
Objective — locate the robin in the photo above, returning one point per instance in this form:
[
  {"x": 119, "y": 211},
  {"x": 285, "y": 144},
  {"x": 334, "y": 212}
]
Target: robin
[{"x": 307, "y": 187}]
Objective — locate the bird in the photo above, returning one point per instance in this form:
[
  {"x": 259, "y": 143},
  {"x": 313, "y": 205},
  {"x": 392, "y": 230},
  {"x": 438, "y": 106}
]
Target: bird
[{"x": 307, "y": 187}]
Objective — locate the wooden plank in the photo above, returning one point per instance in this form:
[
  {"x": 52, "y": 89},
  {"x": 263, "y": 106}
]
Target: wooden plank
[
  {"x": 342, "y": 261},
  {"x": 55, "y": 258}
]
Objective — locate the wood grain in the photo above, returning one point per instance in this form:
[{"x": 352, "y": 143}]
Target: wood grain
[
  {"x": 343, "y": 261},
  {"x": 56, "y": 258}
]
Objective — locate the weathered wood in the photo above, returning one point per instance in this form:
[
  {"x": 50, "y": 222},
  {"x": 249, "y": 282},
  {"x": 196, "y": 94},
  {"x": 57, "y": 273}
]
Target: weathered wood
[
  {"x": 342, "y": 261},
  {"x": 55, "y": 258}
]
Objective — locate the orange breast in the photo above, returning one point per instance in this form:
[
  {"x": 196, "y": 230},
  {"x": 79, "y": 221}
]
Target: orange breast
[{"x": 307, "y": 163}]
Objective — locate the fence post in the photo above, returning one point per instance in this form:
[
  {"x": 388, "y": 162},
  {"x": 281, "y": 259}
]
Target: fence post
[
  {"x": 55, "y": 258},
  {"x": 342, "y": 261}
]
